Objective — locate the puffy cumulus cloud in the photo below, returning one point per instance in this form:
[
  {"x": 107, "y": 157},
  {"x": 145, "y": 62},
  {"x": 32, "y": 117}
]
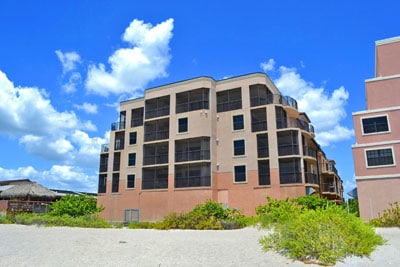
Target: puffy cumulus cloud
[
  {"x": 27, "y": 114},
  {"x": 326, "y": 111},
  {"x": 70, "y": 62},
  {"x": 89, "y": 148},
  {"x": 268, "y": 66},
  {"x": 146, "y": 59},
  {"x": 57, "y": 177},
  {"x": 87, "y": 107}
]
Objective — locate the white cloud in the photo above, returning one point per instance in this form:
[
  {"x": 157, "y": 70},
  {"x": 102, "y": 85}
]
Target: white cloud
[
  {"x": 87, "y": 107},
  {"x": 27, "y": 114},
  {"x": 57, "y": 177},
  {"x": 69, "y": 60},
  {"x": 268, "y": 66},
  {"x": 326, "y": 111},
  {"x": 146, "y": 59}
]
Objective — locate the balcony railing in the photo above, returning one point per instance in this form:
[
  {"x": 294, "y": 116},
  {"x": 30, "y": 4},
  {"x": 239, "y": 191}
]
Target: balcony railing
[
  {"x": 289, "y": 149},
  {"x": 273, "y": 99},
  {"x": 328, "y": 188},
  {"x": 104, "y": 148},
  {"x": 328, "y": 167},
  {"x": 297, "y": 123},
  {"x": 311, "y": 178},
  {"x": 159, "y": 135},
  {"x": 258, "y": 126},
  {"x": 192, "y": 155},
  {"x": 290, "y": 178},
  {"x": 155, "y": 159},
  {"x": 119, "y": 125},
  {"x": 309, "y": 152},
  {"x": 192, "y": 181},
  {"x": 157, "y": 112}
]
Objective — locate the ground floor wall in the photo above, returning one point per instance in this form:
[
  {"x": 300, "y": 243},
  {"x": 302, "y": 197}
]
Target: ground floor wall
[
  {"x": 153, "y": 205},
  {"x": 374, "y": 196}
]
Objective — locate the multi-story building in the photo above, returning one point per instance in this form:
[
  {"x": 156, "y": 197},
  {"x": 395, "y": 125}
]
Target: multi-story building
[
  {"x": 234, "y": 141},
  {"x": 377, "y": 132}
]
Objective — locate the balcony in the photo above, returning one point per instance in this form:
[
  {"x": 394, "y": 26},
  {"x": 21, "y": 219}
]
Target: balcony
[
  {"x": 119, "y": 125},
  {"x": 290, "y": 178},
  {"x": 104, "y": 148},
  {"x": 267, "y": 99},
  {"x": 328, "y": 187},
  {"x": 311, "y": 178},
  {"x": 192, "y": 181},
  {"x": 328, "y": 167},
  {"x": 288, "y": 149},
  {"x": 158, "y": 135},
  {"x": 297, "y": 123},
  {"x": 309, "y": 152},
  {"x": 155, "y": 159},
  {"x": 192, "y": 155}
]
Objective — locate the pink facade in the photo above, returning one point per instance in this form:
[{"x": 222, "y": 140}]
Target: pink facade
[
  {"x": 234, "y": 141},
  {"x": 377, "y": 130}
]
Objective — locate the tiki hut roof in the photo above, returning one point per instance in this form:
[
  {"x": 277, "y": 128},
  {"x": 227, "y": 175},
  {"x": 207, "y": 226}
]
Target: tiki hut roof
[{"x": 26, "y": 190}]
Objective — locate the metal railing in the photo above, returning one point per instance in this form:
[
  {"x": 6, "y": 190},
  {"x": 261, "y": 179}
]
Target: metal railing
[
  {"x": 119, "y": 125},
  {"x": 155, "y": 159},
  {"x": 273, "y": 99},
  {"x": 288, "y": 149},
  {"x": 310, "y": 152},
  {"x": 311, "y": 178},
  {"x": 158, "y": 135},
  {"x": 192, "y": 155}
]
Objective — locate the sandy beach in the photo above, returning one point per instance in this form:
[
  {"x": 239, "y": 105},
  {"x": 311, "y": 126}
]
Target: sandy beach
[{"x": 64, "y": 246}]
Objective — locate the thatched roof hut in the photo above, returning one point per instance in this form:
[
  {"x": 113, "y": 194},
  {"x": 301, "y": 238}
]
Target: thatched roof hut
[{"x": 26, "y": 190}]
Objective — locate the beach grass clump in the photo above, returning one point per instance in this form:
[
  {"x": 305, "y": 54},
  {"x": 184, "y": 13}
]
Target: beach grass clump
[
  {"x": 389, "y": 218},
  {"x": 208, "y": 216},
  {"x": 86, "y": 221},
  {"x": 6, "y": 220},
  {"x": 321, "y": 234}
]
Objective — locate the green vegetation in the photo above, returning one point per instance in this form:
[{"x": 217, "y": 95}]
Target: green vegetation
[
  {"x": 70, "y": 210},
  {"x": 207, "y": 216},
  {"x": 389, "y": 218},
  {"x": 75, "y": 206},
  {"x": 316, "y": 230}
]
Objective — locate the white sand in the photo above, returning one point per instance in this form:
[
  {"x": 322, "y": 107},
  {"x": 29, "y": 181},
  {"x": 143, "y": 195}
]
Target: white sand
[{"x": 63, "y": 246}]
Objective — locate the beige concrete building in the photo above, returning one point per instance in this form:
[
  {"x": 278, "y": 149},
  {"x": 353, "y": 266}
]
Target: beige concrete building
[
  {"x": 234, "y": 141},
  {"x": 377, "y": 132}
]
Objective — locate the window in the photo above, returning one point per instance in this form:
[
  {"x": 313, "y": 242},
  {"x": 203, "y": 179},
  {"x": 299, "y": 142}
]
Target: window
[
  {"x": 380, "y": 157},
  {"x": 155, "y": 178},
  {"x": 130, "y": 181},
  {"x": 182, "y": 125},
  {"x": 288, "y": 143},
  {"x": 119, "y": 140},
  {"x": 117, "y": 161},
  {"x": 238, "y": 122},
  {"x": 156, "y": 130},
  {"x": 192, "y": 100},
  {"x": 259, "y": 120},
  {"x": 115, "y": 183},
  {"x": 262, "y": 146},
  {"x": 192, "y": 149},
  {"x": 281, "y": 118},
  {"x": 155, "y": 153},
  {"x": 132, "y": 159},
  {"x": 229, "y": 100},
  {"x": 103, "y": 163},
  {"x": 192, "y": 175},
  {"x": 132, "y": 138},
  {"x": 290, "y": 171},
  {"x": 102, "y": 183},
  {"x": 240, "y": 174},
  {"x": 137, "y": 117},
  {"x": 157, "y": 107},
  {"x": 238, "y": 147},
  {"x": 375, "y": 125},
  {"x": 263, "y": 172},
  {"x": 260, "y": 95}
]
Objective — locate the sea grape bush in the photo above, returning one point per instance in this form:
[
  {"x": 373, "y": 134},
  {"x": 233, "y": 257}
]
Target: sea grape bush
[
  {"x": 315, "y": 231},
  {"x": 75, "y": 206}
]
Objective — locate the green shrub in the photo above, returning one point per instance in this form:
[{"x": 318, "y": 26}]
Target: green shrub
[
  {"x": 75, "y": 206},
  {"x": 322, "y": 235},
  {"x": 87, "y": 221},
  {"x": 5, "y": 220},
  {"x": 141, "y": 225},
  {"x": 389, "y": 218},
  {"x": 312, "y": 202},
  {"x": 277, "y": 211}
]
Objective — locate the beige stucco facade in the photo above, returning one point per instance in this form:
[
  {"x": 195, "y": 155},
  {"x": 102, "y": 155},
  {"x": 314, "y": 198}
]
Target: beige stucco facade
[
  {"x": 377, "y": 129},
  {"x": 235, "y": 141}
]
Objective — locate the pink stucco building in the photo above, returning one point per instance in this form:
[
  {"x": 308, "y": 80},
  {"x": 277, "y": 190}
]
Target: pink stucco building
[
  {"x": 234, "y": 141},
  {"x": 377, "y": 130}
]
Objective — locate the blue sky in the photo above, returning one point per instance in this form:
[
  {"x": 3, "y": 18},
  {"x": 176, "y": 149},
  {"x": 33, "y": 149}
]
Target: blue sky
[{"x": 65, "y": 65}]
